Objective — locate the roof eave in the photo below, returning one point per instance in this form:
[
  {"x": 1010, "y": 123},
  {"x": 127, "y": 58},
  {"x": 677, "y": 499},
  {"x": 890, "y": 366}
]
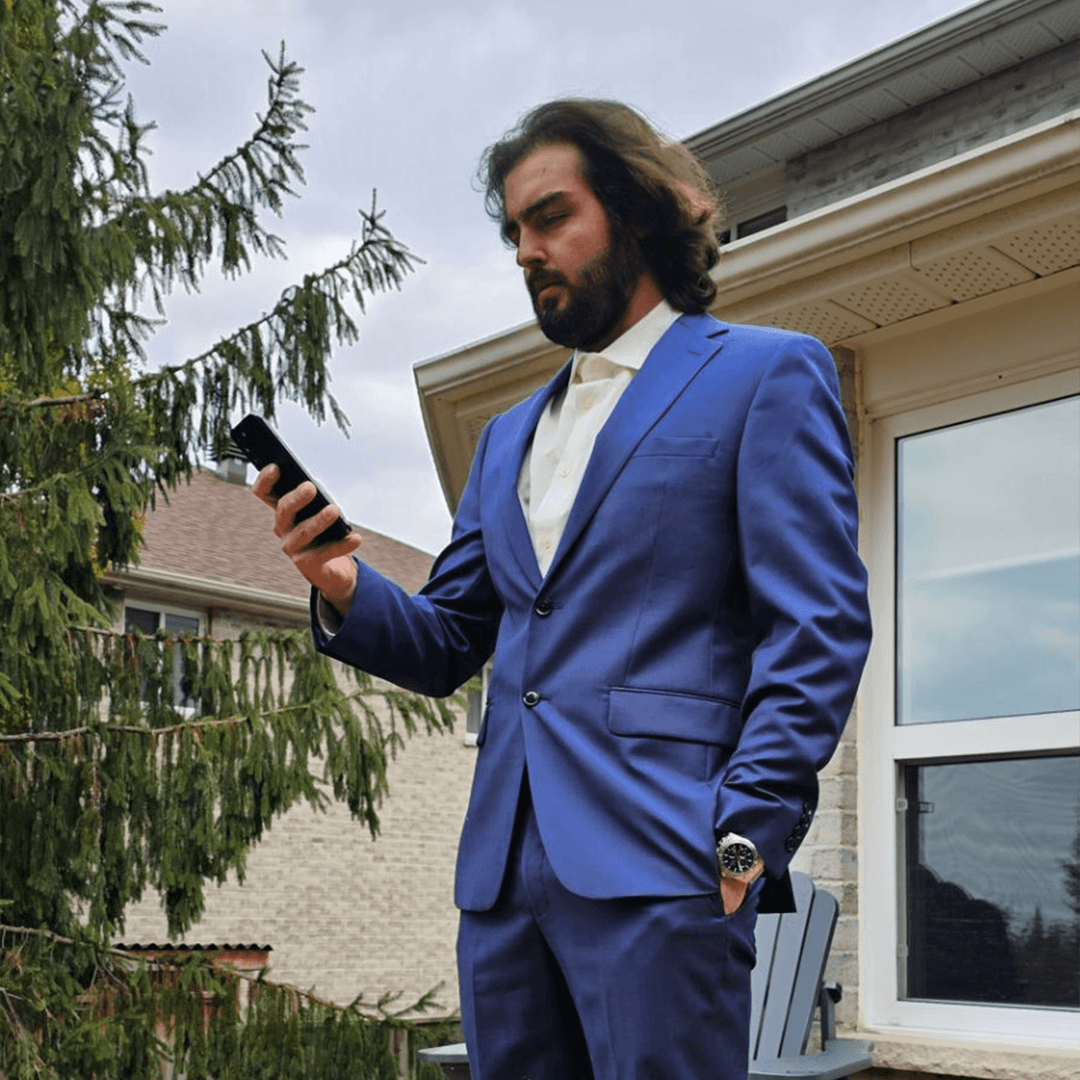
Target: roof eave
[
  {"x": 168, "y": 587},
  {"x": 869, "y": 72}
]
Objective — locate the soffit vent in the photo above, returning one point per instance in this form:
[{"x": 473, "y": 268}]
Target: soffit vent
[
  {"x": 824, "y": 320},
  {"x": 891, "y": 299},
  {"x": 1047, "y": 248},
  {"x": 973, "y": 273}
]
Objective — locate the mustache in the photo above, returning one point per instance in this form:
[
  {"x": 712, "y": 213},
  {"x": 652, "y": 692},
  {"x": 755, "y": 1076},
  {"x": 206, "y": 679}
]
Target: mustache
[{"x": 540, "y": 279}]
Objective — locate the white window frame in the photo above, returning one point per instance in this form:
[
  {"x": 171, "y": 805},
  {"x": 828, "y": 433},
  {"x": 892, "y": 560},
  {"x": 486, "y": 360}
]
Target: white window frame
[
  {"x": 886, "y": 747},
  {"x": 163, "y": 610}
]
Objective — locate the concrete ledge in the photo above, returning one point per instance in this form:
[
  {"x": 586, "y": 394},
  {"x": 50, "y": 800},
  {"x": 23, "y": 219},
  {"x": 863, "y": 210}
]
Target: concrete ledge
[{"x": 921, "y": 1055}]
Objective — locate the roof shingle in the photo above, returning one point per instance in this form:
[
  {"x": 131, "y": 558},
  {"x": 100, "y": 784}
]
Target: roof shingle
[{"x": 217, "y": 530}]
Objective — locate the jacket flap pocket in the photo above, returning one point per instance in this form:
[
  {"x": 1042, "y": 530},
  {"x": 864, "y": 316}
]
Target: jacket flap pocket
[{"x": 663, "y": 715}]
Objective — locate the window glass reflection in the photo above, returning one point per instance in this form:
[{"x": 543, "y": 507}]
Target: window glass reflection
[
  {"x": 988, "y": 567},
  {"x": 993, "y": 882}
]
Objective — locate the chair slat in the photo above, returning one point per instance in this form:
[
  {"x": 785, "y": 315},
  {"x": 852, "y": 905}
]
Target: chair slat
[
  {"x": 765, "y": 939},
  {"x": 790, "y": 935},
  {"x": 815, "y": 952}
]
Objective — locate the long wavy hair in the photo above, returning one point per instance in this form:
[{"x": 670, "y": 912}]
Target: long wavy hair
[{"x": 649, "y": 185}]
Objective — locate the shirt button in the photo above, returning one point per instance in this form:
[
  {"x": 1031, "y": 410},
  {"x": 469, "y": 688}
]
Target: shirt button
[
  {"x": 545, "y": 543},
  {"x": 543, "y": 606},
  {"x": 531, "y": 698},
  {"x": 587, "y": 401}
]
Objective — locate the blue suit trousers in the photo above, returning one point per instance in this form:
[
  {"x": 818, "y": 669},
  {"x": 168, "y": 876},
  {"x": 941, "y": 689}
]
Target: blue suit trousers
[{"x": 555, "y": 986}]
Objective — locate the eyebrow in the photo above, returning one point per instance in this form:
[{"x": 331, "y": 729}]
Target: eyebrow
[{"x": 511, "y": 227}]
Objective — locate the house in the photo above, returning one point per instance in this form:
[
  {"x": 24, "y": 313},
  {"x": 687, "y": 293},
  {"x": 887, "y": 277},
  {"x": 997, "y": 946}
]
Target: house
[
  {"x": 919, "y": 211},
  {"x": 333, "y": 910}
]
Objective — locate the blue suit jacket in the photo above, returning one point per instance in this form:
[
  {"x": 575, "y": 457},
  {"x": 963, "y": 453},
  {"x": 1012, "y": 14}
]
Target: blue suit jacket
[{"x": 689, "y": 660}]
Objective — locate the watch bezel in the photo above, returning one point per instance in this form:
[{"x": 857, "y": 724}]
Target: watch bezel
[{"x": 749, "y": 864}]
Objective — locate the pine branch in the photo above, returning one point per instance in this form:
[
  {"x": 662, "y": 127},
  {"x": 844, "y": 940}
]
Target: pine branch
[
  {"x": 283, "y": 118},
  {"x": 423, "y": 1003},
  {"x": 182, "y": 228},
  {"x": 58, "y": 480},
  {"x": 187, "y": 725},
  {"x": 69, "y": 399},
  {"x": 379, "y": 262}
]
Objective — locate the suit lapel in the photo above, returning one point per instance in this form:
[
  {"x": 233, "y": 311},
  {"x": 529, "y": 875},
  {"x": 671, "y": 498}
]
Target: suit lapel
[
  {"x": 686, "y": 347},
  {"x": 508, "y": 509}
]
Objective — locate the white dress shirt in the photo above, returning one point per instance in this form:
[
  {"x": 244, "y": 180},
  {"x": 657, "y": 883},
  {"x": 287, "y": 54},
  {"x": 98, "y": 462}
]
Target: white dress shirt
[{"x": 562, "y": 443}]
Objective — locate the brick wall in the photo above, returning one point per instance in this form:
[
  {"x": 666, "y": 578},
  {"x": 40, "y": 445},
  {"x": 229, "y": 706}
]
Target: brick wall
[
  {"x": 830, "y": 852},
  {"x": 1035, "y": 90},
  {"x": 829, "y": 855}
]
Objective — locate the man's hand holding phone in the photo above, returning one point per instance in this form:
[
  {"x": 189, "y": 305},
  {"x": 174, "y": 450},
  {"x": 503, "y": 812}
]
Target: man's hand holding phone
[
  {"x": 329, "y": 565},
  {"x": 313, "y": 532}
]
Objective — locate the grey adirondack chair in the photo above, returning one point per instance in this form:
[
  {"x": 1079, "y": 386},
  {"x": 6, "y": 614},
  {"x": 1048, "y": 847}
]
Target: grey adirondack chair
[{"x": 786, "y": 990}]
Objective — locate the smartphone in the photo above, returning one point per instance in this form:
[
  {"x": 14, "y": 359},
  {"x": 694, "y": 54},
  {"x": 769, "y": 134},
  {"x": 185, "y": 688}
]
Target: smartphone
[{"x": 262, "y": 446}]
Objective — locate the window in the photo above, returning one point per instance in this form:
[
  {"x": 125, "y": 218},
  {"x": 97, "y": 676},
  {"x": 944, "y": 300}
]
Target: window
[
  {"x": 973, "y": 706},
  {"x": 988, "y": 567},
  {"x": 992, "y": 875},
  {"x": 776, "y": 216},
  {"x": 177, "y": 625},
  {"x": 759, "y": 223}
]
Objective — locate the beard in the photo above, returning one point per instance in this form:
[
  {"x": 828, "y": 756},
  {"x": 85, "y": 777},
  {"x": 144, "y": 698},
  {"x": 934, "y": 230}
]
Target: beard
[{"x": 597, "y": 301}]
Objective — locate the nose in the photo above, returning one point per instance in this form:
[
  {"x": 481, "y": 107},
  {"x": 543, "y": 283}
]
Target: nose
[{"x": 529, "y": 252}]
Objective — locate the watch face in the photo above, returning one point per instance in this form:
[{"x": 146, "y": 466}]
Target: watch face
[{"x": 738, "y": 858}]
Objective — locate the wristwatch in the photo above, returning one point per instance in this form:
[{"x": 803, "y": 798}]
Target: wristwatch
[{"x": 737, "y": 858}]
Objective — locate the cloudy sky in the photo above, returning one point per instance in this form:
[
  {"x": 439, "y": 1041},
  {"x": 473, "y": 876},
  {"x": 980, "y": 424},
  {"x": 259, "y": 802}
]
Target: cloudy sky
[{"x": 407, "y": 95}]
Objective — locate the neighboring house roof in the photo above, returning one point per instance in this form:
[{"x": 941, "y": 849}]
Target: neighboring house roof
[
  {"x": 180, "y": 946},
  {"x": 213, "y": 529}
]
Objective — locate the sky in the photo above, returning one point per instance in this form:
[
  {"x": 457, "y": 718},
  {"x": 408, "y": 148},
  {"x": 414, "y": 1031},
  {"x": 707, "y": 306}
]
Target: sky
[{"x": 407, "y": 96}]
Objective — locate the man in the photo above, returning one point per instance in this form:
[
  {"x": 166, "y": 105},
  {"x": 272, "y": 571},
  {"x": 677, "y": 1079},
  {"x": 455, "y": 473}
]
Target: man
[{"x": 659, "y": 548}]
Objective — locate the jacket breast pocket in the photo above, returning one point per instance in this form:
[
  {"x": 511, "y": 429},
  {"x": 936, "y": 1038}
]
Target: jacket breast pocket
[{"x": 676, "y": 446}]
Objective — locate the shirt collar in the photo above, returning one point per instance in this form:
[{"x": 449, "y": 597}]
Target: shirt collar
[{"x": 630, "y": 349}]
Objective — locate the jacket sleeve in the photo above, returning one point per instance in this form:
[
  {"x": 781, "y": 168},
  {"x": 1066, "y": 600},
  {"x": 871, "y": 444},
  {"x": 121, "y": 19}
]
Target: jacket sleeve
[
  {"x": 797, "y": 526},
  {"x": 433, "y": 641}
]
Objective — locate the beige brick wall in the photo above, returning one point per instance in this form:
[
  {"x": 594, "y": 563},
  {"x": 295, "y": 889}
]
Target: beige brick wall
[
  {"x": 830, "y": 856},
  {"x": 830, "y": 852}
]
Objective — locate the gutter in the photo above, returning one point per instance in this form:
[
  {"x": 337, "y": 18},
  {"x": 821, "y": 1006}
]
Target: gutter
[
  {"x": 186, "y": 591},
  {"x": 873, "y": 71}
]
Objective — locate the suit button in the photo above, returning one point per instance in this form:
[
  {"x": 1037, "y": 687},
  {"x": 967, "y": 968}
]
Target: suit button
[
  {"x": 543, "y": 606},
  {"x": 531, "y": 698}
]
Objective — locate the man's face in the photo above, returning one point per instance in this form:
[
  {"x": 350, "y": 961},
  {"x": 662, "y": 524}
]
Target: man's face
[{"x": 581, "y": 273}]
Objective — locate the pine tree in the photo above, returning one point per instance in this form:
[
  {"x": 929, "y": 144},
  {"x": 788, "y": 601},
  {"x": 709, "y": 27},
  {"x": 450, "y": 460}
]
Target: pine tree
[{"x": 105, "y": 789}]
